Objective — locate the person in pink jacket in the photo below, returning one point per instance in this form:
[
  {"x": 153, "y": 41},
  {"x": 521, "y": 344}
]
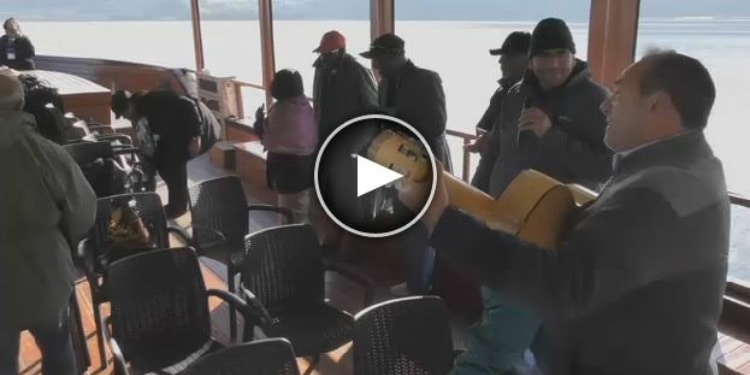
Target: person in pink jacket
[{"x": 290, "y": 134}]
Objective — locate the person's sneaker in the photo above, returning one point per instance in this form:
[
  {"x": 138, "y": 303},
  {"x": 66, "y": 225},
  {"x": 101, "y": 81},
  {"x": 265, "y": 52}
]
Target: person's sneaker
[{"x": 400, "y": 290}]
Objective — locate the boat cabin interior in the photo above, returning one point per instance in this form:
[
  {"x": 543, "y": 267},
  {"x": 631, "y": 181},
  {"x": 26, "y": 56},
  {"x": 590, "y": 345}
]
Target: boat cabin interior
[{"x": 352, "y": 282}]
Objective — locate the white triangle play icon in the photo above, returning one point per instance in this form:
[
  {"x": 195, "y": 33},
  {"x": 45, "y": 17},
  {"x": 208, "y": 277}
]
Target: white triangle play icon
[{"x": 371, "y": 175}]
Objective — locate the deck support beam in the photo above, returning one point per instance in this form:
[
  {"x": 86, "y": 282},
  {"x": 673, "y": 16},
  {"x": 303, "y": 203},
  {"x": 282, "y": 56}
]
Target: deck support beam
[
  {"x": 265, "y": 13},
  {"x": 382, "y": 18},
  {"x": 195, "y": 10},
  {"x": 613, "y": 30}
]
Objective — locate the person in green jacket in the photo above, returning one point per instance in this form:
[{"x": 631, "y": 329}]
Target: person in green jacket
[{"x": 46, "y": 204}]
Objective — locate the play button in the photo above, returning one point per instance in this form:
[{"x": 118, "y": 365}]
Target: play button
[
  {"x": 356, "y": 170},
  {"x": 371, "y": 175}
]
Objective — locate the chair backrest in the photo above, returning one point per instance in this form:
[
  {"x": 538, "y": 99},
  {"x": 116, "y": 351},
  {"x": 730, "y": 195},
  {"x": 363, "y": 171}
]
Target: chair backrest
[
  {"x": 219, "y": 204},
  {"x": 149, "y": 208},
  {"x": 159, "y": 303},
  {"x": 261, "y": 357},
  {"x": 408, "y": 336},
  {"x": 97, "y": 162},
  {"x": 284, "y": 266},
  {"x": 86, "y": 152}
]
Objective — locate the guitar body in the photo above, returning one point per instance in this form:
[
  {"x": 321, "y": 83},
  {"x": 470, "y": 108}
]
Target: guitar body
[{"x": 534, "y": 207}]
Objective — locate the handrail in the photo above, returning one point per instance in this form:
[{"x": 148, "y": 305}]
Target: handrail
[
  {"x": 739, "y": 200},
  {"x": 248, "y": 84},
  {"x": 466, "y": 159}
]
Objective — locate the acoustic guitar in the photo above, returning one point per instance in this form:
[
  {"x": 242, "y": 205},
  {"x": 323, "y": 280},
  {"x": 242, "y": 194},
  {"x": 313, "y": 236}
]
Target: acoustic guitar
[{"x": 534, "y": 207}]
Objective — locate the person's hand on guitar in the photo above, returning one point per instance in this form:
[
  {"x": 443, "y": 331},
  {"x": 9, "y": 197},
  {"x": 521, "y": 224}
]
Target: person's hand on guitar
[
  {"x": 534, "y": 119},
  {"x": 412, "y": 195}
]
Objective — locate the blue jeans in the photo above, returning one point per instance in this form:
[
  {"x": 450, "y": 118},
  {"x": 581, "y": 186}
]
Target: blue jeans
[
  {"x": 498, "y": 342},
  {"x": 419, "y": 267},
  {"x": 54, "y": 341}
]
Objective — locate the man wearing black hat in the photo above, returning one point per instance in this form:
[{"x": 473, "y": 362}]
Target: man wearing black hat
[
  {"x": 168, "y": 128},
  {"x": 514, "y": 62},
  {"x": 410, "y": 93},
  {"x": 551, "y": 122},
  {"x": 416, "y": 96}
]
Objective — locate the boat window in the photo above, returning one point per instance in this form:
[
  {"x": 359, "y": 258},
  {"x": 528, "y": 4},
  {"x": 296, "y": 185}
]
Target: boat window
[
  {"x": 296, "y": 39},
  {"x": 718, "y": 34}
]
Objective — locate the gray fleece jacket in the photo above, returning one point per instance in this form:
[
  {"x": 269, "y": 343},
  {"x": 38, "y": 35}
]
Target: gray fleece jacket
[{"x": 637, "y": 286}]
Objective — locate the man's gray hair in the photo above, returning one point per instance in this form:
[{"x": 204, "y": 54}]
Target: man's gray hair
[{"x": 11, "y": 92}]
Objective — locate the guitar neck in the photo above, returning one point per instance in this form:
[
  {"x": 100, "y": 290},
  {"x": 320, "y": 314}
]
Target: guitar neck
[{"x": 468, "y": 198}]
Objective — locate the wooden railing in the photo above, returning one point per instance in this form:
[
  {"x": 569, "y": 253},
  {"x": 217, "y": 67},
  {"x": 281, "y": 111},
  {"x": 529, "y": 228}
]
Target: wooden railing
[{"x": 466, "y": 158}]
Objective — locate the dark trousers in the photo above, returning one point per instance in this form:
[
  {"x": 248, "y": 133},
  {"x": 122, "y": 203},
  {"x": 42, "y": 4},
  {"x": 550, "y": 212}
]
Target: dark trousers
[
  {"x": 175, "y": 176},
  {"x": 172, "y": 167},
  {"x": 54, "y": 341}
]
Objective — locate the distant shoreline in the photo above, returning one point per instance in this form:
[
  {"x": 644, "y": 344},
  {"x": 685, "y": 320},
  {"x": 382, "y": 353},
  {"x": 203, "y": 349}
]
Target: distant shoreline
[{"x": 500, "y": 22}]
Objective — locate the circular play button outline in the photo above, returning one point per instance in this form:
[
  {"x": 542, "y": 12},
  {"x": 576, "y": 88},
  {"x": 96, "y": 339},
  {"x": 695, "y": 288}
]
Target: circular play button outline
[{"x": 433, "y": 183}]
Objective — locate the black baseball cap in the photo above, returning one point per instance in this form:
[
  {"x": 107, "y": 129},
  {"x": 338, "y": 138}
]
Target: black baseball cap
[
  {"x": 516, "y": 42},
  {"x": 385, "y": 45}
]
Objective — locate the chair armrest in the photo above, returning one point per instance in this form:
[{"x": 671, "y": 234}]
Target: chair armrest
[
  {"x": 121, "y": 366},
  {"x": 259, "y": 310},
  {"x": 221, "y": 239},
  {"x": 355, "y": 275},
  {"x": 180, "y": 233},
  {"x": 267, "y": 207},
  {"x": 82, "y": 251},
  {"x": 235, "y": 302}
]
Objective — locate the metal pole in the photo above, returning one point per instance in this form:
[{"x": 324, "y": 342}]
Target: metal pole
[
  {"x": 200, "y": 62},
  {"x": 267, "y": 49}
]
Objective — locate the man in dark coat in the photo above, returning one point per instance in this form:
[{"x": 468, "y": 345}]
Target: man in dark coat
[
  {"x": 551, "y": 122},
  {"x": 514, "y": 61},
  {"x": 637, "y": 285},
  {"x": 16, "y": 50},
  {"x": 410, "y": 93},
  {"x": 414, "y": 95},
  {"x": 173, "y": 125},
  {"x": 342, "y": 88}
]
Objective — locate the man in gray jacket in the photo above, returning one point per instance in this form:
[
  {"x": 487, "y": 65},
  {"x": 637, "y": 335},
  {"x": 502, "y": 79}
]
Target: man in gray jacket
[
  {"x": 636, "y": 286},
  {"x": 45, "y": 205}
]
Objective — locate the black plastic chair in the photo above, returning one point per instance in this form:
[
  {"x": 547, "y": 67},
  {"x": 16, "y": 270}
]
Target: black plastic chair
[
  {"x": 408, "y": 336},
  {"x": 220, "y": 222},
  {"x": 261, "y": 357},
  {"x": 110, "y": 168},
  {"x": 160, "y": 317},
  {"x": 283, "y": 278},
  {"x": 95, "y": 253}
]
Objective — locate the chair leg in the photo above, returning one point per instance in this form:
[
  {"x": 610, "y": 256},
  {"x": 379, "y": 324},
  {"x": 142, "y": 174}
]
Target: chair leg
[
  {"x": 232, "y": 314},
  {"x": 99, "y": 336}
]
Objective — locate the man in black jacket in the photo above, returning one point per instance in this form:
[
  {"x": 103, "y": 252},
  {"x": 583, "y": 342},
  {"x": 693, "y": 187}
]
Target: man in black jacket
[
  {"x": 636, "y": 287},
  {"x": 514, "y": 62},
  {"x": 342, "y": 88},
  {"x": 172, "y": 124},
  {"x": 16, "y": 50},
  {"x": 549, "y": 121},
  {"x": 414, "y": 95}
]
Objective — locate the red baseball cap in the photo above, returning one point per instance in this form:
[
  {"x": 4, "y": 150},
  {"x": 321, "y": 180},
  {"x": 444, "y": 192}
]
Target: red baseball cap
[{"x": 331, "y": 40}]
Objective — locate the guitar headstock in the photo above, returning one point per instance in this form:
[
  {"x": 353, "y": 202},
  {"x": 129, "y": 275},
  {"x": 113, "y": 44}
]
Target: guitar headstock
[{"x": 400, "y": 153}]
